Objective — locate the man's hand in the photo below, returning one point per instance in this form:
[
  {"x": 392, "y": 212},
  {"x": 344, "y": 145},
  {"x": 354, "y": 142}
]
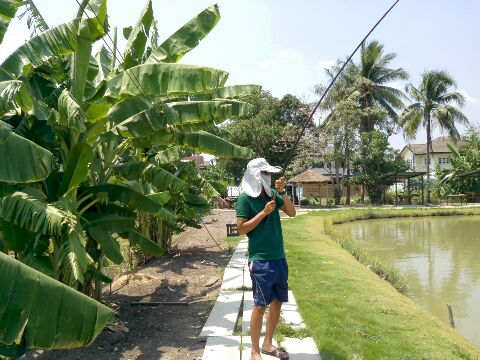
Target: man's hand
[
  {"x": 269, "y": 207},
  {"x": 280, "y": 184}
]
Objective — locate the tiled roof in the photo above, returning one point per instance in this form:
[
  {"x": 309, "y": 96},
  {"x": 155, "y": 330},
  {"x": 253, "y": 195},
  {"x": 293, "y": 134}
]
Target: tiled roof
[{"x": 439, "y": 145}]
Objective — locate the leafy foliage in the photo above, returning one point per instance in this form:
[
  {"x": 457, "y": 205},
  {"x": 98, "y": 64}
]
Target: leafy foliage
[{"x": 100, "y": 147}]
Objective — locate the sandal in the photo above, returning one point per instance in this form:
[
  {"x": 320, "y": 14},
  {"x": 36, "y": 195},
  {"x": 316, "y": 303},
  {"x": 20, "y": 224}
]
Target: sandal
[{"x": 280, "y": 354}]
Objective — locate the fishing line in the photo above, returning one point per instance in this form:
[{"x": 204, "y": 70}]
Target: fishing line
[{"x": 290, "y": 154}]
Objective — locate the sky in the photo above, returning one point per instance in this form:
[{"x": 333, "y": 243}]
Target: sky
[{"x": 284, "y": 46}]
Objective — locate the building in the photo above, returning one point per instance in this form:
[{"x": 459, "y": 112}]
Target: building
[
  {"x": 320, "y": 183},
  {"x": 415, "y": 155},
  {"x": 202, "y": 160}
]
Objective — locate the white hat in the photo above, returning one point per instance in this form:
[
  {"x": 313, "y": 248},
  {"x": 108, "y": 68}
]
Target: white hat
[{"x": 252, "y": 179}]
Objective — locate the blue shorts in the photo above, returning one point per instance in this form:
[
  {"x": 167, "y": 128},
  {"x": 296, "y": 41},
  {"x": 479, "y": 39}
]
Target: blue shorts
[{"x": 269, "y": 281}]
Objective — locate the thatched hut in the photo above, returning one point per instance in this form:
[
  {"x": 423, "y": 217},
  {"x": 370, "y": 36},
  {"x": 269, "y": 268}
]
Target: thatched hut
[{"x": 319, "y": 183}]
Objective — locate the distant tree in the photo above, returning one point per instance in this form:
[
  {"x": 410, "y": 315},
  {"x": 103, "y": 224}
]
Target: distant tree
[
  {"x": 432, "y": 107},
  {"x": 461, "y": 163},
  {"x": 271, "y": 131},
  {"x": 374, "y": 75},
  {"x": 375, "y": 158}
]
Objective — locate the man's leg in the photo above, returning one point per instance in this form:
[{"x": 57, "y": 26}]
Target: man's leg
[
  {"x": 256, "y": 330},
  {"x": 272, "y": 321}
]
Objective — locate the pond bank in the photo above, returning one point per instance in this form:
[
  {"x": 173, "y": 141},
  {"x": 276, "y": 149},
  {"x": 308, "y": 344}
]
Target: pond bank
[{"x": 351, "y": 312}]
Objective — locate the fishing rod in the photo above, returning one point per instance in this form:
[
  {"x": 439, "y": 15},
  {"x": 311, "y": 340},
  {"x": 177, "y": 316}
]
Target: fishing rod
[{"x": 312, "y": 113}]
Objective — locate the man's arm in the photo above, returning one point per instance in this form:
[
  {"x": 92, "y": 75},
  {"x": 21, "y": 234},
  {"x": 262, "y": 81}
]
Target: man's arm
[
  {"x": 287, "y": 207},
  {"x": 246, "y": 225}
]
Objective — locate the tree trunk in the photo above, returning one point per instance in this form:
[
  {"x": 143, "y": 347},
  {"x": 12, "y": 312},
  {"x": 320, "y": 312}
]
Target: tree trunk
[
  {"x": 347, "y": 163},
  {"x": 367, "y": 122},
  {"x": 338, "y": 185},
  {"x": 429, "y": 145},
  {"x": 98, "y": 284}
]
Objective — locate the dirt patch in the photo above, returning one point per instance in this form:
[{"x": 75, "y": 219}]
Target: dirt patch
[{"x": 192, "y": 275}]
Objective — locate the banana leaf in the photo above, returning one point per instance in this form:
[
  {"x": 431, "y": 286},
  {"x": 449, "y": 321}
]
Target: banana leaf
[
  {"x": 37, "y": 216},
  {"x": 110, "y": 222},
  {"x": 108, "y": 244},
  {"x": 15, "y": 238},
  {"x": 90, "y": 29},
  {"x": 165, "y": 80},
  {"x": 168, "y": 155},
  {"x": 137, "y": 38},
  {"x": 76, "y": 170},
  {"x": 160, "y": 197},
  {"x": 94, "y": 24},
  {"x": 147, "y": 245},
  {"x": 36, "y": 162},
  {"x": 104, "y": 63},
  {"x": 187, "y": 37},
  {"x": 156, "y": 117},
  {"x": 14, "y": 94},
  {"x": 8, "y": 9},
  {"x": 72, "y": 319},
  {"x": 55, "y": 42},
  {"x": 126, "y": 108},
  {"x": 236, "y": 91},
  {"x": 71, "y": 114},
  {"x": 124, "y": 195},
  {"x": 155, "y": 175},
  {"x": 203, "y": 141}
]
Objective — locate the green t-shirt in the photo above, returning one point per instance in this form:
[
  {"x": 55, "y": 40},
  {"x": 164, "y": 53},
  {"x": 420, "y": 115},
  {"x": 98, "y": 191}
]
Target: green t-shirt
[{"x": 265, "y": 242}]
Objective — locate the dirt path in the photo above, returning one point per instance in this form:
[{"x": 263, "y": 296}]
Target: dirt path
[{"x": 193, "y": 275}]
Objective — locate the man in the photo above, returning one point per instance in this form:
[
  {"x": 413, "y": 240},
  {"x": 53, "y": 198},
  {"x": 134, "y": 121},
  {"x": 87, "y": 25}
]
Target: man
[{"x": 259, "y": 218}]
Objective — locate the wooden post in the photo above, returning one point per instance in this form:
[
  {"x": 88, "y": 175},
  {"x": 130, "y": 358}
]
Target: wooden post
[
  {"x": 396, "y": 191},
  {"x": 450, "y": 316},
  {"x": 299, "y": 195},
  {"x": 423, "y": 197}
]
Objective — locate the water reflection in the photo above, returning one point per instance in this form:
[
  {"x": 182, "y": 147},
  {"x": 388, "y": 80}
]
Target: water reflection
[{"x": 441, "y": 256}]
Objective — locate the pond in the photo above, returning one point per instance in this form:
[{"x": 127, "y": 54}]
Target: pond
[{"x": 441, "y": 257}]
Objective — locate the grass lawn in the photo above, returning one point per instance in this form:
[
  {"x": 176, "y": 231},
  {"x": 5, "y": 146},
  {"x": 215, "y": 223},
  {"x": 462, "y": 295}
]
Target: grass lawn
[{"x": 350, "y": 311}]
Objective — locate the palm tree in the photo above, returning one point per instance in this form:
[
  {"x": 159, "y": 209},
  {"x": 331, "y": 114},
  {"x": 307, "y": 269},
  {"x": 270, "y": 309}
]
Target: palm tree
[
  {"x": 432, "y": 103},
  {"x": 374, "y": 75}
]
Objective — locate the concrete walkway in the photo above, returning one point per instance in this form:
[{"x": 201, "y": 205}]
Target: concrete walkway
[{"x": 226, "y": 329}]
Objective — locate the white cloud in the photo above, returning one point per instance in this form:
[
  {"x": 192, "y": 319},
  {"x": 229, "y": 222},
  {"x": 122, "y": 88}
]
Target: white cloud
[
  {"x": 468, "y": 97},
  {"x": 281, "y": 58}
]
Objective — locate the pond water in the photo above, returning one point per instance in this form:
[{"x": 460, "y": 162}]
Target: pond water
[{"x": 441, "y": 257}]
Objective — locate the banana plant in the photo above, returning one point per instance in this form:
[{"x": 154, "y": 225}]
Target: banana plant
[{"x": 91, "y": 124}]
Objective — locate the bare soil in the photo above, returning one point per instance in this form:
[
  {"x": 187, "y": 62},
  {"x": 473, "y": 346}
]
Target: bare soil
[{"x": 193, "y": 274}]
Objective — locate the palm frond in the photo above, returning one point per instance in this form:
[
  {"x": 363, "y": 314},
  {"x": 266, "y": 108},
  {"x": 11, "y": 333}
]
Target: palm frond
[
  {"x": 455, "y": 97},
  {"x": 411, "y": 119}
]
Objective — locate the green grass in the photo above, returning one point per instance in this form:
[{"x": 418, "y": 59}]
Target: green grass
[
  {"x": 230, "y": 243},
  {"x": 350, "y": 311},
  {"x": 339, "y": 217}
]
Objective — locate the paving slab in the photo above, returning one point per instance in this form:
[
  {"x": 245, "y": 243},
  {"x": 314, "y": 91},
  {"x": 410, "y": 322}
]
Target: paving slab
[
  {"x": 232, "y": 278},
  {"x": 238, "y": 259},
  {"x": 290, "y": 313},
  {"x": 301, "y": 349},
  {"x": 224, "y": 315},
  {"x": 247, "y": 280},
  {"x": 222, "y": 348},
  {"x": 247, "y": 348},
  {"x": 247, "y": 313}
]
